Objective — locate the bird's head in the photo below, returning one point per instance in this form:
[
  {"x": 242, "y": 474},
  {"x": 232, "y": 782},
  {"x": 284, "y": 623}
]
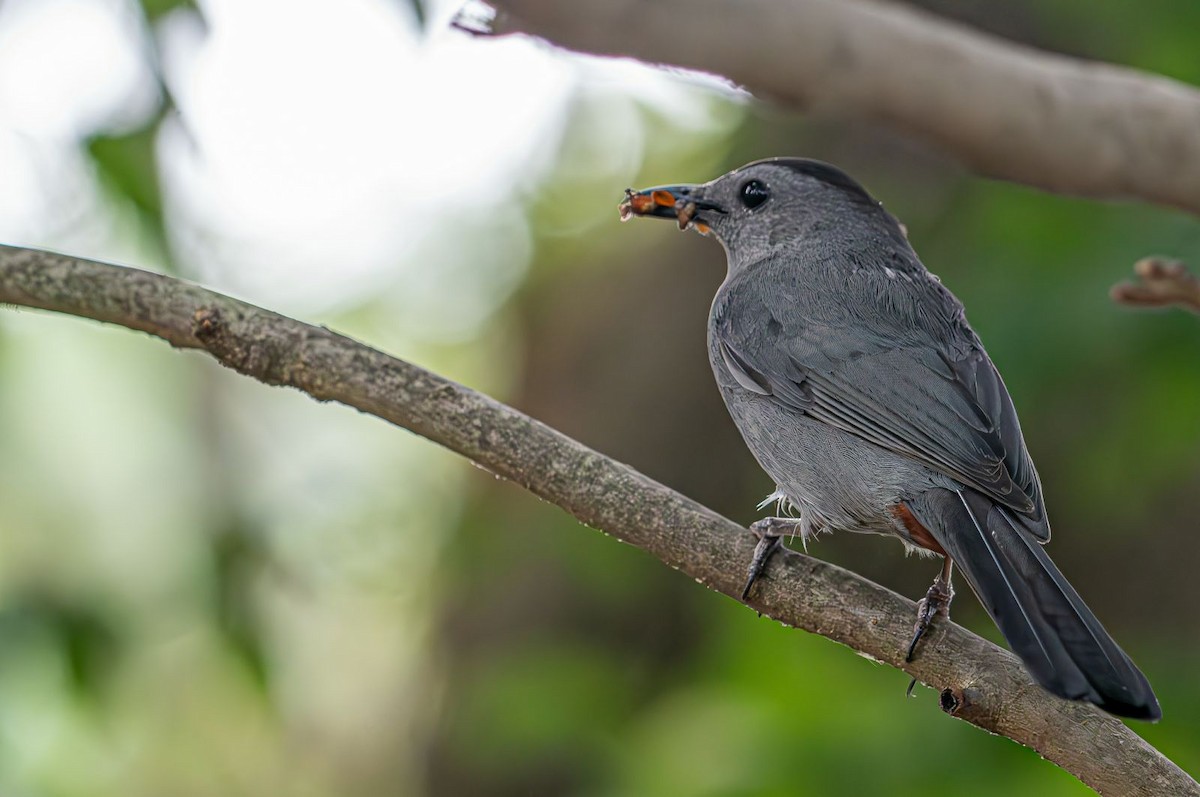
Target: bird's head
[{"x": 769, "y": 203}]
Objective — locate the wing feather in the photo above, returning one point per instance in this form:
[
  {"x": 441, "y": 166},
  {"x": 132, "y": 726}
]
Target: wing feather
[{"x": 909, "y": 377}]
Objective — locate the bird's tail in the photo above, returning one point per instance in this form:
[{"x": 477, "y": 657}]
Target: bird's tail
[{"x": 1046, "y": 623}]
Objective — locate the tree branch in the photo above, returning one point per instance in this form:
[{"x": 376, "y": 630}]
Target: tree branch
[
  {"x": 1005, "y": 110},
  {"x": 978, "y": 681},
  {"x": 1160, "y": 282}
]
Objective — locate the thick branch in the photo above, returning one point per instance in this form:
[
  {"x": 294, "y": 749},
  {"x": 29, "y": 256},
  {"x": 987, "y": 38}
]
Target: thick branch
[
  {"x": 1005, "y": 110},
  {"x": 978, "y": 681}
]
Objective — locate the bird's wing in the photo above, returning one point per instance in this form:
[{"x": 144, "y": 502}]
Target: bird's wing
[{"x": 904, "y": 372}]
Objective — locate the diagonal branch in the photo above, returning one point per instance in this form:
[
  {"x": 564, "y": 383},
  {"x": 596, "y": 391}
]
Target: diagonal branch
[
  {"x": 978, "y": 681},
  {"x": 1004, "y": 109}
]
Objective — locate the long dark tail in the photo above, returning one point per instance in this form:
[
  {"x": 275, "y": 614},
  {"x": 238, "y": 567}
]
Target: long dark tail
[{"x": 1046, "y": 623}]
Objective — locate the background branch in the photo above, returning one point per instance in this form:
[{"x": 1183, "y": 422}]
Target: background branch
[
  {"x": 1003, "y": 109},
  {"x": 1160, "y": 282},
  {"x": 978, "y": 681}
]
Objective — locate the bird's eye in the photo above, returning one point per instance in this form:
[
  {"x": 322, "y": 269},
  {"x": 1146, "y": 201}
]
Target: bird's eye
[{"x": 754, "y": 193}]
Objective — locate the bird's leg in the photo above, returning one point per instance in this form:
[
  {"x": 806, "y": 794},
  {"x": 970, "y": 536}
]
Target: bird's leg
[
  {"x": 770, "y": 532},
  {"x": 936, "y": 603}
]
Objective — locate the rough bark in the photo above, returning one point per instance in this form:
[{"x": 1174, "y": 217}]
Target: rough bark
[{"x": 978, "y": 681}]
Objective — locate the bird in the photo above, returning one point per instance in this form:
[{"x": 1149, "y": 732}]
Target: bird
[{"x": 857, "y": 383}]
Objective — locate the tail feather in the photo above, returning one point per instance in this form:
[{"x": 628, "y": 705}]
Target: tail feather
[{"x": 1046, "y": 623}]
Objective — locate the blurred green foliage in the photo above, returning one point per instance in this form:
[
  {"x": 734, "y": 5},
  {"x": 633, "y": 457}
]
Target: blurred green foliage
[
  {"x": 157, "y": 9},
  {"x": 125, "y": 163},
  {"x": 210, "y": 587}
]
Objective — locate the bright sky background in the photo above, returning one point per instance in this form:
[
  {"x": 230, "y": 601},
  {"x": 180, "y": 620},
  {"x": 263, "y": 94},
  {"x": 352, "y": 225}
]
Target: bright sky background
[{"x": 322, "y": 152}]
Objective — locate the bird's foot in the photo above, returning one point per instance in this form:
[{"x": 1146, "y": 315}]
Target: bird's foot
[
  {"x": 770, "y": 532},
  {"x": 936, "y": 603}
]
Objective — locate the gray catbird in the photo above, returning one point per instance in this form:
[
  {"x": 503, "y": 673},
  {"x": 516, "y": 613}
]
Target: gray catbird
[{"x": 857, "y": 383}]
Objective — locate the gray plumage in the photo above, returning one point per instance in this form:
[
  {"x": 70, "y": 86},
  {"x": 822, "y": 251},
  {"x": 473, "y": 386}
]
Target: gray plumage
[{"x": 859, "y": 386}]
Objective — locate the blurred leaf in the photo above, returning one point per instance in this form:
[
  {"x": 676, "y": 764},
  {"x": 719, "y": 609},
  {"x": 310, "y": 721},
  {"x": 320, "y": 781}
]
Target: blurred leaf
[
  {"x": 155, "y": 9},
  {"x": 418, "y": 11},
  {"x": 89, "y": 645},
  {"x": 84, "y": 636},
  {"x": 238, "y": 559},
  {"x": 127, "y": 164}
]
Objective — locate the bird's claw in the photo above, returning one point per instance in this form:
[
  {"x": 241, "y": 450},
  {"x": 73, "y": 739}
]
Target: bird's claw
[
  {"x": 770, "y": 533},
  {"x": 936, "y": 603}
]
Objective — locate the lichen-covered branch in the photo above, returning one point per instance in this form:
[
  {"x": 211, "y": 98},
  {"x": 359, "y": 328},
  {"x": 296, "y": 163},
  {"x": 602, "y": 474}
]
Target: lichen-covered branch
[
  {"x": 978, "y": 681},
  {"x": 1003, "y": 109},
  {"x": 1160, "y": 282}
]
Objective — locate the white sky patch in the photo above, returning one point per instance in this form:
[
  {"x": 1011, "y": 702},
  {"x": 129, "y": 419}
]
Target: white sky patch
[
  {"x": 68, "y": 68},
  {"x": 324, "y": 154},
  {"x": 329, "y": 152},
  {"x": 71, "y": 67},
  {"x": 310, "y": 170}
]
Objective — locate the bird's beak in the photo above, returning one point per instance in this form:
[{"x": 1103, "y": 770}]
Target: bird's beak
[{"x": 684, "y": 203}]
